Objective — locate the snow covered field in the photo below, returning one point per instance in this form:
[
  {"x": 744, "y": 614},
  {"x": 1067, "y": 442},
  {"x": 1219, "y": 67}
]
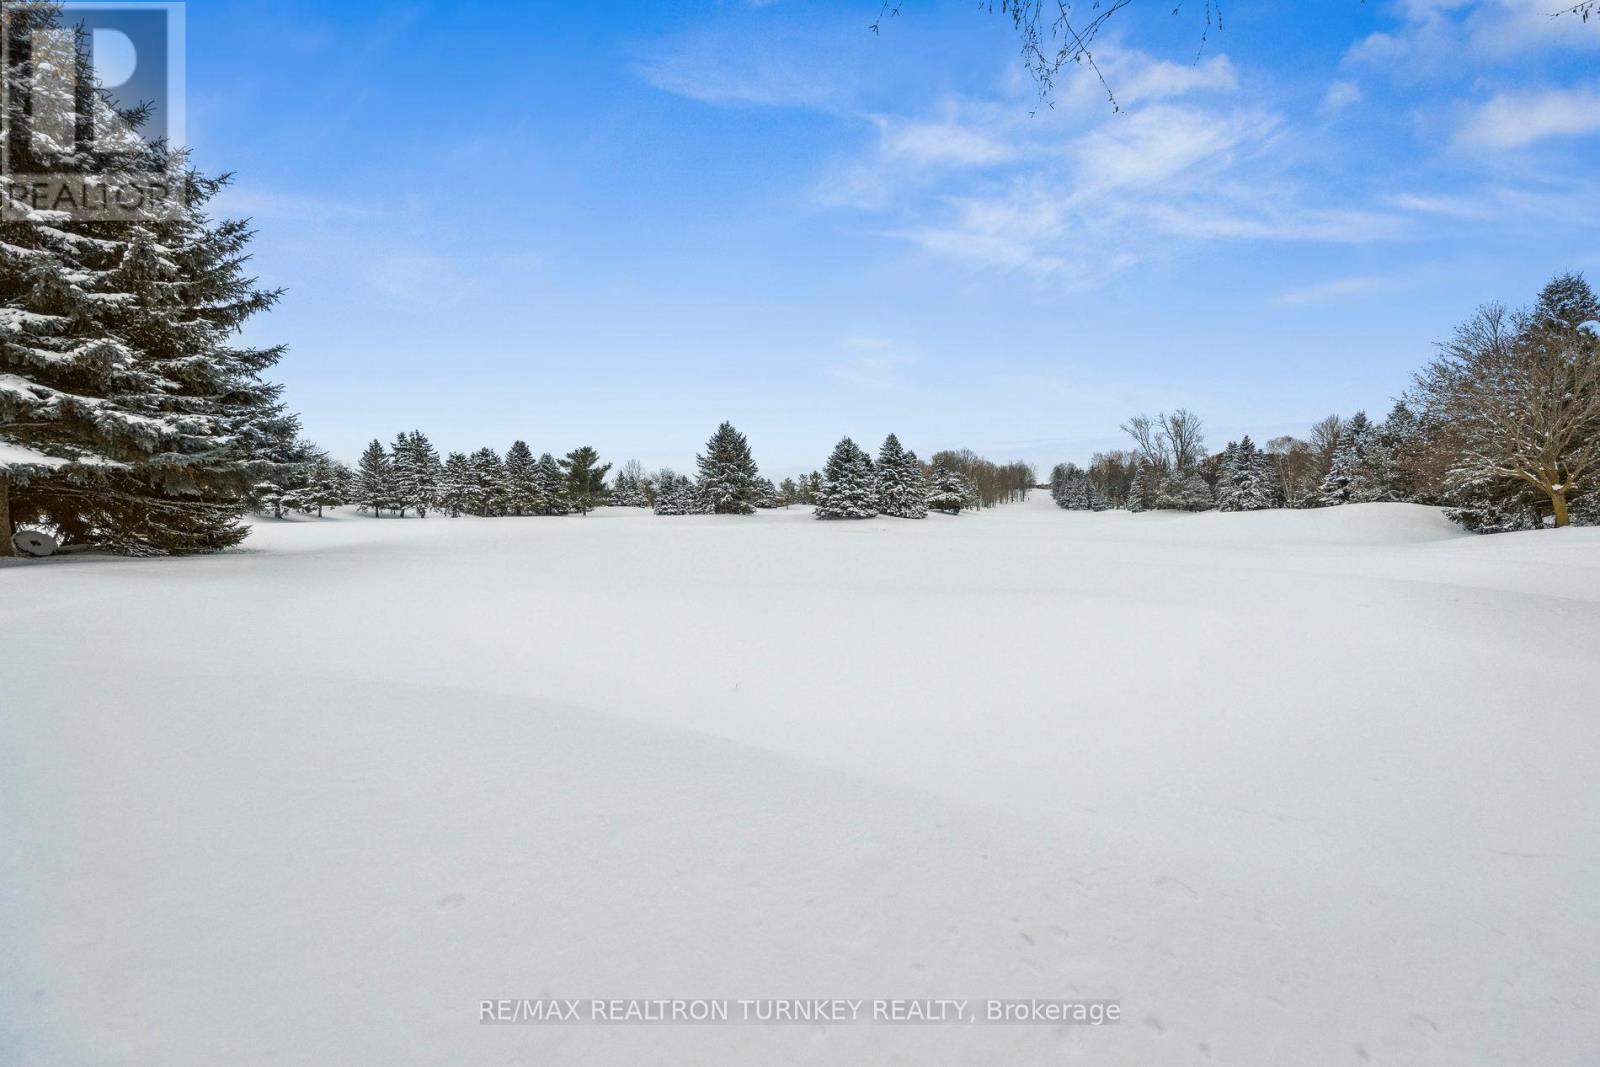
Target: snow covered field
[{"x": 1293, "y": 787}]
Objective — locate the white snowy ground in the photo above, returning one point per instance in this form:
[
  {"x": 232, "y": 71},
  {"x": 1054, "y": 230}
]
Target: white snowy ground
[{"x": 1295, "y": 787}]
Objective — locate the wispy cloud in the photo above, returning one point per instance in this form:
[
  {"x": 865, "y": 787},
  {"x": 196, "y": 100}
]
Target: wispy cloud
[
  {"x": 875, "y": 362},
  {"x": 1340, "y": 95},
  {"x": 1082, "y": 195},
  {"x": 1516, "y": 119},
  {"x": 1338, "y": 289}
]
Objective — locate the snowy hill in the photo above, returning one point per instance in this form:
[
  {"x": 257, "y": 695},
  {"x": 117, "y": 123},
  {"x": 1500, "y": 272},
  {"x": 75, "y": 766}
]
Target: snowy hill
[{"x": 1290, "y": 786}]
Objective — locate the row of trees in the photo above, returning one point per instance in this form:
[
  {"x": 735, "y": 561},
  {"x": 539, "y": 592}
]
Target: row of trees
[
  {"x": 409, "y": 477},
  {"x": 1502, "y": 429}
]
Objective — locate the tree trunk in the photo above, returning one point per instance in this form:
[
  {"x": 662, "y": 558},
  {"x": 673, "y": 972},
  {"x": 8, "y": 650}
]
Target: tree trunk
[
  {"x": 1558, "y": 500},
  {"x": 5, "y": 517}
]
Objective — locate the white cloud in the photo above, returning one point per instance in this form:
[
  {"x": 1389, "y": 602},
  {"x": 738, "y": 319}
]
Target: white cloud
[
  {"x": 1515, "y": 119},
  {"x": 941, "y": 142},
  {"x": 1082, "y": 197},
  {"x": 875, "y": 362},
  {"x": 1340, "y": 95},
  {"x": 1462, "y": 35},
  {"x": 1161, "y": 80},
  {"x": 1338, "y": 289}
]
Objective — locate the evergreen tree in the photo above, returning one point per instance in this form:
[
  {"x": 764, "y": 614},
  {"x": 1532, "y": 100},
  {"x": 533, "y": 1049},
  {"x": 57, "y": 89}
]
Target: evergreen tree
[
  {"x": 849, "y": 485},
  {"x": 550, "y": 487},
  {"x": 326, "y": 487},
  {"x": 727, "y": 473},
  {"x": 374, "y": 480},
  {"x": 971, "y": 495},
  {"x": 767, "y": 494},
  {"x": 900, "y": 489},
  {"x": 1142, "y": 492},
  {"x": 522, "y": 487},
  {"x": 586, "y": 478},
  {"x": 628, "y": 491},
  {"x": 676, "y": 495},
  {"x": 1386, "y": 460},
  {"x": 1491, "y": 504},
  {"x": 129, "y": 417},
  {"x": 490, "y": 493},
  {"x": 945, "y": 492},
  {"x": 1346, "y": 481},
  {"x": 1247, "y": 479},
  {"x": 789, "y": 492},
  {"x": 1185, "y": 490},
  {"x": 456, "y": 485},
  {"x": 416, "y": 472}
]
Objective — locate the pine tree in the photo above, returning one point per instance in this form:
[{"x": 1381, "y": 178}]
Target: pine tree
[
  {"x": 490, "y": 492},
  {"x": 129, "y": 417},
  {"x": 326, "y": 487},
  {"x": 416, "y": 472},
  {"x": 628, "y": 492},
  {"x": 1385, "y": 462},
  {"x": 1185, "y": 490},
  {"x": 945, "y": 492},
  {"x": 1142, "y": 492},
  {"x": 550, "y": 488},
  {"x": 849, "y": 484},
  {"x": 1346, "y": 481},
  {"x": 767, "y": 495},
  {"x": 1247, "y": 479},
  {"x": 522, "y": 486},
  {"x": 586, "y": 478},
  {"x": 727, "y": 473},
  {"x": 456, "y": 485},
  {"x": 900, "y": 489},
  {"x": 676, "y": 495},
  {"x": 374, "y": 480}
]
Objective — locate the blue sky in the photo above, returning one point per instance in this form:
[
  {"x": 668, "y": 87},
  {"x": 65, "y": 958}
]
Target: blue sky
[{"x": 620, "y": 224}]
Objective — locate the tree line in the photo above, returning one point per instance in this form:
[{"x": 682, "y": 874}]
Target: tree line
[
  {"x": 1501, "y": 429},
  {"x": 409, "y": 477}
]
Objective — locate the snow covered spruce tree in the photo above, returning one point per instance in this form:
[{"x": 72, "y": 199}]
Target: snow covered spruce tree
[
  {"x": 416, "y": 472},
  {"x": 550, "y": 495},
  {"x": 456, "y": 485},
  {"x": 1346, "y": 482},
  {"x": 676, "y": 495},
  {"x": 1185, "y": 490},
  {"x": 727, "y": 473},
  {"x": 522, "y": 488},
  {"x": 628, "y": 488},
  {"x": 490, "y": 491},
  {"x": 849, "y": 484},
  {"x": 901, "y": 492},
  {"x": 1142, "y": 490},
  {"x": 374, "y": 489},
  {"x": 1248, "y": 479},
  {"x": 767, "y": 495},
  {"x": 129, "y": 415},
  {"x": 586, "y": 479},
  {"x": 326, "y": 487},
  {"x": 945, "y": 491}
]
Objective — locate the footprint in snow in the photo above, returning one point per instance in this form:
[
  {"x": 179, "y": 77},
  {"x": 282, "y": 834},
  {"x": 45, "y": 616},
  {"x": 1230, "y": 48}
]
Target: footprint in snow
[{"x": 451, "y": 900}]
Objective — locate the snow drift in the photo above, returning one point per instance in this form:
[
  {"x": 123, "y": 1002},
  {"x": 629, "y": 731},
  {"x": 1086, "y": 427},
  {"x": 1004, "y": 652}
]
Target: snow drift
[{"x": 1292, "y": 787}]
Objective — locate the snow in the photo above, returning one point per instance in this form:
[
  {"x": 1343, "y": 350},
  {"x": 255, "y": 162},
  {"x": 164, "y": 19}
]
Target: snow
[
  {"x": 1299, "y": 787},
  {"x": 16, "y": 455}
]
